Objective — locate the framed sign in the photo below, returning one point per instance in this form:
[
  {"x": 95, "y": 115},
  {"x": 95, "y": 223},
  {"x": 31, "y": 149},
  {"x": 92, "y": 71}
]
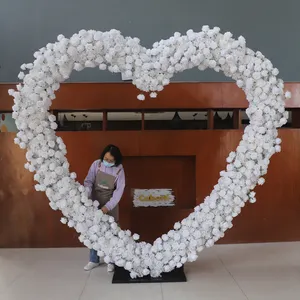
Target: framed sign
[{"x": 153, "y": 197}]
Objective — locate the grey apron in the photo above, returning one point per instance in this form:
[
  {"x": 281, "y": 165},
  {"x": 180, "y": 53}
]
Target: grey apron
[{"x": 104, "y": 188}]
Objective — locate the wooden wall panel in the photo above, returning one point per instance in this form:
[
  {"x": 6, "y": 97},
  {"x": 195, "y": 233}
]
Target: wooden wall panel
[
  {"x": 174, "y": 172},
  {"x": 26, "y": 220},
  {"x": 275, "y": 216},
  {"x": 123, "y": 96},
  {"x": 151, "y": 223}
]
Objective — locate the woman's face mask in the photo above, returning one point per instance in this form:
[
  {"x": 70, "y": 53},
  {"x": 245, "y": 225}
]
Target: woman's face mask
[
  {"x": 108, "y": 160},
  {"x": 108, "y": 164}
]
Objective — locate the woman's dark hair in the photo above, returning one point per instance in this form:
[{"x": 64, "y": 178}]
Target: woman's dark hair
[{"x": 115, "y": 152}]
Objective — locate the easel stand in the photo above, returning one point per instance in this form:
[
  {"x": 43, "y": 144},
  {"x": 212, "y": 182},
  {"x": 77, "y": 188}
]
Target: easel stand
[{"x": 123, "y": 276}]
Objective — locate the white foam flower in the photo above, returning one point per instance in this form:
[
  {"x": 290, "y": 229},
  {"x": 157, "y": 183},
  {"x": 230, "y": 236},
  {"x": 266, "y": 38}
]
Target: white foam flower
[
  {"x": 277, "y": 148},
  {"x": 102, "y": 67},
  {"x": 288, "y": 95},
  {"x": 64, "y": 220},
  {"x": 153, "y": 95},
  {"x": 141, "y": 97},
  {"x": 177, "y": 226},
  {"x": 136, "y": 237},
  {"x": 71, "y": 223},
  {"x": 73, "y": 175},
  {"x": 96, "y": 203}
]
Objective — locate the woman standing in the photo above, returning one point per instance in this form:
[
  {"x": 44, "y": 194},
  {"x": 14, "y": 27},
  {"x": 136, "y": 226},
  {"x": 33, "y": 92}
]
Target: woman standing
[{"x": 105, "y": 182}]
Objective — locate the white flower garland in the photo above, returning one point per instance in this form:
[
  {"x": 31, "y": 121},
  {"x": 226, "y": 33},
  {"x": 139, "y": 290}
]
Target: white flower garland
[{"x": 151, "y": 70}]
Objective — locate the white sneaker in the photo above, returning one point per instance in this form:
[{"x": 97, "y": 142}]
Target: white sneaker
[
  {"x": 90, "y": 266},
  {"x": 110, "y": 268}
]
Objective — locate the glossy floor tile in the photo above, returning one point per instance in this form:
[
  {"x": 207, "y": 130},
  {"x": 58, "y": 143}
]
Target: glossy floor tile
[{"x": 233, "y": 272}]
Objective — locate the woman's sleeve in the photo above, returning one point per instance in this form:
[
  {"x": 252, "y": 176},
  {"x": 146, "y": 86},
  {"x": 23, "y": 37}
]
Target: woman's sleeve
[
  {"x": 117, "y": 195},
  {"x": 90, "y": 178}
]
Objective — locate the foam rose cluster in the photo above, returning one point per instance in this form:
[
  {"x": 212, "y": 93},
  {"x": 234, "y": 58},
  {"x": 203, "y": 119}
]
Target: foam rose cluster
[{"x": 151, "y": 70}]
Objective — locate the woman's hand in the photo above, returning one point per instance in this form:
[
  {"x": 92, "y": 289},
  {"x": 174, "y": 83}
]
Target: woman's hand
[{"x": 104, "y": 209}]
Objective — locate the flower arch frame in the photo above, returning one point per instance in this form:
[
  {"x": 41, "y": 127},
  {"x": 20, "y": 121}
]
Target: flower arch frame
[{"x": 151, "y": 70}]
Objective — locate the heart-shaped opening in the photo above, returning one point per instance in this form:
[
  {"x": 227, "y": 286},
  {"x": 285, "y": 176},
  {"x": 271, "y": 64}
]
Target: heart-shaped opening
[{"x": 151, "y": 70}]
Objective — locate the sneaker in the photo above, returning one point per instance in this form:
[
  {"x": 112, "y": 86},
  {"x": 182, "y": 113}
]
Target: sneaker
[
  {"x": 110, "y": 268},
  {"x": 90, "y": 266}
]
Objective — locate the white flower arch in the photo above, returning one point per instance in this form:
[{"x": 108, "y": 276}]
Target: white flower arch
[{"x": 151, "y": 70}]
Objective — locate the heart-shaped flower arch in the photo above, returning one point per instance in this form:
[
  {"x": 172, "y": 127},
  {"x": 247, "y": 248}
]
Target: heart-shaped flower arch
[{"x": 151, "y": 70}]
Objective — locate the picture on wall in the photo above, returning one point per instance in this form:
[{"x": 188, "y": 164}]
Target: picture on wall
[
  {"x": 153, "y": 197},
  {"x": 7, "y": 123}
]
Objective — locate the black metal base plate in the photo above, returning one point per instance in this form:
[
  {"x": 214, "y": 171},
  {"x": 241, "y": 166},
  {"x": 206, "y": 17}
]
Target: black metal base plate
[{"x": 123, "y": 276}]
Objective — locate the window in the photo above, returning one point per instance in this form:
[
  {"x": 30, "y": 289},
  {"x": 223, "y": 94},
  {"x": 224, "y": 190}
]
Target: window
[
  {"x": 223, "y": 120},
  {"x": 175, "y": 120},
  {"x": 79, "y": 121},
  {"x": 291, "y": 117},
  {"x": 124, "y": 121},
  {"x": 212, "y": 119}
]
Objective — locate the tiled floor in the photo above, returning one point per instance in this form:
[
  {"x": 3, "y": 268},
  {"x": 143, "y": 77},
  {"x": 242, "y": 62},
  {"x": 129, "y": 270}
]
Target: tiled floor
[{"x": 233, "y": 272}]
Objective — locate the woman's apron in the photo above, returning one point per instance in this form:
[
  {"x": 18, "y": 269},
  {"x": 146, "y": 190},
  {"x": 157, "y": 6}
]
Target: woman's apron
[{"x": 104, "y": 188}]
